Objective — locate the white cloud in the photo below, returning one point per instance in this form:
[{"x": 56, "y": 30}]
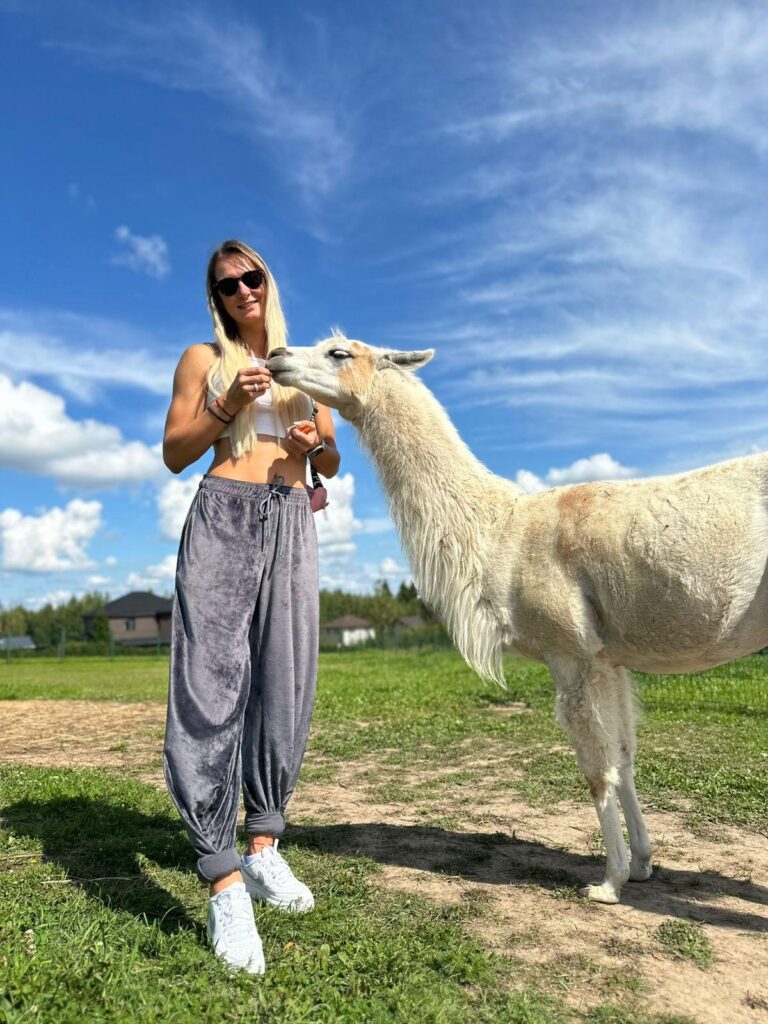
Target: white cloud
[
  {"x": 53, "y": 598},
  {"x": 145, "y": 254},
  {"x": 338, "y": 524},
  {"x": 97, "y": 581},
  {"x": 75, "y": 452},
  {"x": 110, "y": 560},
  {"x": 173, "y": 501},
  {"x": 158, "y": 577},
  {"x": 54, "y": 540},
  {"x": 390, "y": 568},
  {"x": 597, "y": 467}
]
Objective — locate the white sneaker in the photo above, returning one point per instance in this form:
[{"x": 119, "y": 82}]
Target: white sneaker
[
  {"x": 232, "y": 929},
  {"x": 268, "y": 878}
]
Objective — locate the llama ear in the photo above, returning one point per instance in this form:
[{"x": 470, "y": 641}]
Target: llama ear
[{"x": 407, "y": 360}]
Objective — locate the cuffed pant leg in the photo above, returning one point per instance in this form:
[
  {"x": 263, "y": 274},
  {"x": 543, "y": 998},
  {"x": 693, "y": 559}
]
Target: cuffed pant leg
[
  {"x": 209, "y": 680},
  {"x": 284, "y": 641}
]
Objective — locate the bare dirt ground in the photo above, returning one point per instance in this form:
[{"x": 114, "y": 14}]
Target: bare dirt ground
[{"x": 519, "y": 865}]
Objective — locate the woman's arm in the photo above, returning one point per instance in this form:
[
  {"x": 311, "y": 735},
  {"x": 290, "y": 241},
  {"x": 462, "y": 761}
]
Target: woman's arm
[
  {"x": 304, "y": 435},
  {"x": 189, "y": 429}
]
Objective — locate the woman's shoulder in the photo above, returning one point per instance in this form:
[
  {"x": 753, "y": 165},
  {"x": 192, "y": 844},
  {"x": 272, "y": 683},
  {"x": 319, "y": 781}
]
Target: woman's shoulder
[{"x": 200, "y": 354}]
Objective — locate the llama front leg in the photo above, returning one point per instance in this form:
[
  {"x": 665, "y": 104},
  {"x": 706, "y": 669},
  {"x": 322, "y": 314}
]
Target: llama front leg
[
  {"x": 588, "y": 709},
  {"x": 640, "y": 867}
]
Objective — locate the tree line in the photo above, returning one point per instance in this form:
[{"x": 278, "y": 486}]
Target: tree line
[{"x": 48, "y": 624}]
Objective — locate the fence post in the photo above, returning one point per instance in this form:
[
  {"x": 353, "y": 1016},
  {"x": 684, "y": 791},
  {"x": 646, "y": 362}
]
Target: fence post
[{"x": 111, "y": 647}]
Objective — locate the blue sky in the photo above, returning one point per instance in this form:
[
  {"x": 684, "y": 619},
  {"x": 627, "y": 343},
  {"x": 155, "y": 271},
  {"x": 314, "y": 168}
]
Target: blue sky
[{"x": 569, "y": 207}]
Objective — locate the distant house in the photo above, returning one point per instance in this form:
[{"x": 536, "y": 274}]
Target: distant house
[
  {"x": 138, "y": 619},
  {"x": 406, "y": 623},
  {"x": 348, "y": 631},
  {"x": 17, "y": 643}
]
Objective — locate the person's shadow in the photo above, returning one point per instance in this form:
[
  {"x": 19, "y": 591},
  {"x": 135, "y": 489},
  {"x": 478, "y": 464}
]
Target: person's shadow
[
  {"x": 504, "y": 860},
  {"x": 98, "y": 844}
]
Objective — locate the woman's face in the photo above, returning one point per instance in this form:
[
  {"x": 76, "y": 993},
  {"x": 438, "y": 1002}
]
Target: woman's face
[{"x": 248, "y": 305}]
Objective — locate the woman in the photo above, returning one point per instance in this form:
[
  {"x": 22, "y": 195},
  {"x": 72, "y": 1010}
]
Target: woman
[{"x": 245, "y": 617}]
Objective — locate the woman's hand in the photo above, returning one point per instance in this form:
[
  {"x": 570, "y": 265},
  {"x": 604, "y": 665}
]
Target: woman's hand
[
  {"x": 249, "y": 383},
  {"x": 301, "y": 438}
]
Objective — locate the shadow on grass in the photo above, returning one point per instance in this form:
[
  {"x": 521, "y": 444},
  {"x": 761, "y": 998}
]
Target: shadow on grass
[
  {"x": 500, "y": 859},
  {"x": 98, "y": 843}
]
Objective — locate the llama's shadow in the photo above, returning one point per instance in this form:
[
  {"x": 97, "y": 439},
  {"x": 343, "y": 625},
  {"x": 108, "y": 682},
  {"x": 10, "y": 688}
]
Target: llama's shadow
[
  {"x": 500, "y": 859},
  {"x": 97, "y": 843}
]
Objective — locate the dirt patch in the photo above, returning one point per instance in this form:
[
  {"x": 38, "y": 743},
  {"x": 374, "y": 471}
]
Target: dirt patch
[
  {"x": 525, "y": 865},
  {"x": 520, "y": 866},
  {"x": 81, "y": 733}
]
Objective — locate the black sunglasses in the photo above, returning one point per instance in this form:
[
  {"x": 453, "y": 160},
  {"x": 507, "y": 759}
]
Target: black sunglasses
[{"x": 228, "y": 285}]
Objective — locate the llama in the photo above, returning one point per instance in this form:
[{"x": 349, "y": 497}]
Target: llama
[{"x": 661, "y": 575}]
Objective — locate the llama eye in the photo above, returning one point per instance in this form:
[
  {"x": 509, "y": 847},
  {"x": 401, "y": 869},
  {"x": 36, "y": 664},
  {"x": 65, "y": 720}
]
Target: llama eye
[{"x": 339, "y": 353}]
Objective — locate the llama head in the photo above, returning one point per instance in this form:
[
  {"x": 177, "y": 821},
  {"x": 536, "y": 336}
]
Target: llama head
[{"x": 339, "y": 372}]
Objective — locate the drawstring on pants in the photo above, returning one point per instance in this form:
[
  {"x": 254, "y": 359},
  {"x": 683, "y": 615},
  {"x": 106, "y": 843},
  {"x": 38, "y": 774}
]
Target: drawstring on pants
[{"x": 274, "y": 496}]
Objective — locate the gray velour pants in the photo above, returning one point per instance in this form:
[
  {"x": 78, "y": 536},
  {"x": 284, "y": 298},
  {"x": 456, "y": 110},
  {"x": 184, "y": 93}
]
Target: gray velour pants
[{"x": 245, "y": 634}]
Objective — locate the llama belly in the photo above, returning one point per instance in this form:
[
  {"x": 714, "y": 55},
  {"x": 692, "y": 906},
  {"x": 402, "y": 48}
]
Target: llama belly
[{"x": 683, "y": 624}]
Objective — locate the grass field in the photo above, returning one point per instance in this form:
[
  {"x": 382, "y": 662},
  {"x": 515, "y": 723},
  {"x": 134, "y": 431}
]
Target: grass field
[{"x": 102, "y": 918}]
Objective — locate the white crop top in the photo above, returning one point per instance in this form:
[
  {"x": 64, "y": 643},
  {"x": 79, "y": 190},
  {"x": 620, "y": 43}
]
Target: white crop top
[{"x": 265, "y": 417}]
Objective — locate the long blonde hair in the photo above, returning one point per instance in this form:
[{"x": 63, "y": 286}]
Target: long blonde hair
[{"x": 289, "y": 403}]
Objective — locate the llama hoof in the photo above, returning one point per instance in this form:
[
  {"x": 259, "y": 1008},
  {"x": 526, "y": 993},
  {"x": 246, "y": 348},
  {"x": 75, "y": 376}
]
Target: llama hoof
[
  {"x": 604, "y": 893},
  {"x": 640, "y": 872}
]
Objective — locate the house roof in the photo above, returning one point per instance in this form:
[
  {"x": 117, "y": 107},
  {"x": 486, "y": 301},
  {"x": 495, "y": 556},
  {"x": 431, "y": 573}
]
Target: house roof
[
  {"x": 137, "y": 603},
  {"x": 411, "y": 621},
  {"x": 347, "y": 622},
  {"x": 16, "y": 643}
]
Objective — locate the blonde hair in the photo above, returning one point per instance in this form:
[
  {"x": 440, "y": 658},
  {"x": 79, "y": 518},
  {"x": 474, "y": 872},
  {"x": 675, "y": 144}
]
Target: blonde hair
[{"x": 290, "y": 404}]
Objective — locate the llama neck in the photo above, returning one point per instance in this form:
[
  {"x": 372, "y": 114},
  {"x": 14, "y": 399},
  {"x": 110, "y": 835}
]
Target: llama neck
[
  {"x": 446, "y": 506},
  {"x": 420, "y": 456}
]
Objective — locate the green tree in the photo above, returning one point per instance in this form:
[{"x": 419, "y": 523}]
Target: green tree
[{"x": 100, "y": 628}]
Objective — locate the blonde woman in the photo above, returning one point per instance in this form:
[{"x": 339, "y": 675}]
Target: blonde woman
[{"x": 245, "y": 616}]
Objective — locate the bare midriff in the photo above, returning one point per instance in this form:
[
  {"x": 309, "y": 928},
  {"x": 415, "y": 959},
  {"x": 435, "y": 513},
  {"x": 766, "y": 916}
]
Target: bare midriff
[{"x": 260, "y": 466}]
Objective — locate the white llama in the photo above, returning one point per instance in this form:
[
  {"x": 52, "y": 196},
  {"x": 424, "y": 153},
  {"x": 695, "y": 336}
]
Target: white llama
[{"x": 660, "y": 575}]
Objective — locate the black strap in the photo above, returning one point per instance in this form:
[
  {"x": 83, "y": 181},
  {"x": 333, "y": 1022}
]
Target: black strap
[{"x": 316, "y": 481}]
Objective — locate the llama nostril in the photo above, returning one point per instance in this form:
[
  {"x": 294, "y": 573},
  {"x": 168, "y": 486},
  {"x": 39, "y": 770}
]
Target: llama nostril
[{"x": 279, "y": 352}]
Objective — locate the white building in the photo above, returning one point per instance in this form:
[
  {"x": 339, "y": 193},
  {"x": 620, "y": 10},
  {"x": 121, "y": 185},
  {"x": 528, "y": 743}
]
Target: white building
[{"x": 347, "y": 631}]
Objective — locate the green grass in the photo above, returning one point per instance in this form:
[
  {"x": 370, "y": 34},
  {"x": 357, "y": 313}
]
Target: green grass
[
  {"x": 704, "y": 738},
  {"x": 103, "y": 918},
  {"x": 687, "y": 941},
  {"x": 131, "y": 946}
]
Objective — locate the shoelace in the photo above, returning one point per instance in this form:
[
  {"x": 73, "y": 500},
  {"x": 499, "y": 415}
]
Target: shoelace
[
  {"x": 236, "y": 917},
  {"x": 278, "y": 867}
]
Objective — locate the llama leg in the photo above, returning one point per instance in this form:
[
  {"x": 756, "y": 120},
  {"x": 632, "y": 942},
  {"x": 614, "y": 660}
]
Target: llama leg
[
  {"x": 640, "y": 868},
  {"x": 588, "y": 709}
]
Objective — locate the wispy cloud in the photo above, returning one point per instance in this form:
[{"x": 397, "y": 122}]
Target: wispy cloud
[
  {"x": 146, "y": 254},
  {"x": 613, "y": 265},
  {"x": 225, "y": 57},
  {"x": 81, "y": 354}
]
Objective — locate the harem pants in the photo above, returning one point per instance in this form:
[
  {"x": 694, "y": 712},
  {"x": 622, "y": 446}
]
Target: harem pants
[{"x": 244, "y": 648}]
